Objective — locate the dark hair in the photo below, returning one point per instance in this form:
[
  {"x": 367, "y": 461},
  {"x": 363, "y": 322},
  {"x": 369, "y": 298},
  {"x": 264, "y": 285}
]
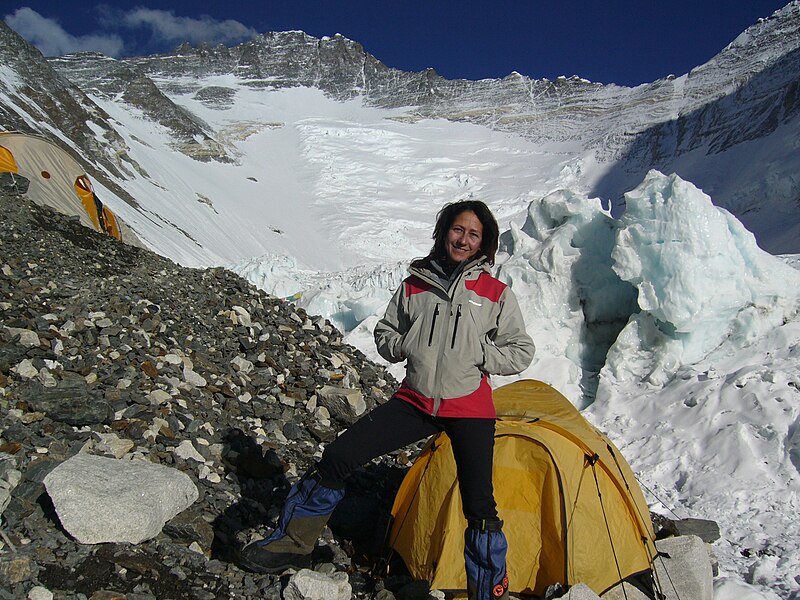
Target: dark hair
[{"x": 448, "y": 214}]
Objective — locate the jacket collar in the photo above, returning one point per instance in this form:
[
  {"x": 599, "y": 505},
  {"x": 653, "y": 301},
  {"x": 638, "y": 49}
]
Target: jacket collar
[{"x": 435, "y": 276}]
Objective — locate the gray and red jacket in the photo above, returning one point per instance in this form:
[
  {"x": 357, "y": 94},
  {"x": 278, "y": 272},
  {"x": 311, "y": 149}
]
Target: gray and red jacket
[{"x": 452, "y": 339}]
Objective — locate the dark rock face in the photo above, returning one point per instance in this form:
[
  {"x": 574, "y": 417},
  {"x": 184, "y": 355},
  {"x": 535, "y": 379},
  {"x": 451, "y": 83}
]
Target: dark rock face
[
  {"x": 70, "y": 401},
  {"x": 135, "y": 352}
]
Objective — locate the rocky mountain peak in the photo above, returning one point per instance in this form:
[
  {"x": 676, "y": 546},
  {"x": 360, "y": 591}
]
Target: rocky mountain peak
[{"x": 41, "y": 100}]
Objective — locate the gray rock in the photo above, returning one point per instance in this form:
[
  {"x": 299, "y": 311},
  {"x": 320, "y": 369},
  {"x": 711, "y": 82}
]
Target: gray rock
[
  {"x": 581, "y": 592},
  {"x": 102, "y": 500},
  {"x": 40, "y": 593},
  {"x": 186, "y": 451},
  {"x": 345, "y": 404},
  {"x": 15, "y": 569},
  {"x": 706, "y": 530},
  {"x": 70, "y": 401},
  {"x": 9, "y": 479},
  {"x": 188, "y": 527},
  {"x": 311, "y": 585},
  {"x": 26, "y": 370},
  {"x": 684, "y": 571},
  {"x": 193, "y": 378},
  {"x": 242, "y": 365},
  {"x": 110, "y": 443},
  {"x": 27, "y": 338}
]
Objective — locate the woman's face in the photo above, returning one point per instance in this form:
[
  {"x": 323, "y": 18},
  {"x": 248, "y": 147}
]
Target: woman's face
[{"x": 464, "y": 237}]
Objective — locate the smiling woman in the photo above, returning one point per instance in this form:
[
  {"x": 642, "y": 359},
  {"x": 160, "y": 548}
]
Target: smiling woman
[
  {"x": 454, "y": 325},
  {"x": 462, "y": 229},
  {"x": 464, "y": 237}
]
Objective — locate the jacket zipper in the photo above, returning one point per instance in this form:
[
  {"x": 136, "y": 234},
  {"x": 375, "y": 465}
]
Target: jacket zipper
[
  {"x": 455, "y": 327},
  {"x": 442, "y": 344},
  {"x": 433, "y": 324}
]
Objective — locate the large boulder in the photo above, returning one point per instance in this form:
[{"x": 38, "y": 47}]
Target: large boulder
[
  {"x": 102, "y": 499},
  {"x": 683, "y": 567}
]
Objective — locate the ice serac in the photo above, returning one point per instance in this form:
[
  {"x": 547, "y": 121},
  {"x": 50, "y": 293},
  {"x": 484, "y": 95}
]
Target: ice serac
[
  {"x": 347, "y": 298},
  {"x": 670, "y": 283},
  {"x": 703, "y": 283},
  {"x": 574, "y": 303}
]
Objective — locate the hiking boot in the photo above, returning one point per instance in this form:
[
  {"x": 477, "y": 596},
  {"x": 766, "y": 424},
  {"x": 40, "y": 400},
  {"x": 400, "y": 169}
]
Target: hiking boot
[
  {"x": 304, "y": 515},
  {"x": 485, "y": 550},
  {"x": 255, "y": 557}
]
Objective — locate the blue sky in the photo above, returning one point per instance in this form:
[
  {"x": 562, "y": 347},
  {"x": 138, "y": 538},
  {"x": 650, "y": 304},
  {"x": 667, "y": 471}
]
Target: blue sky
[{"x": 614, "y": 41}]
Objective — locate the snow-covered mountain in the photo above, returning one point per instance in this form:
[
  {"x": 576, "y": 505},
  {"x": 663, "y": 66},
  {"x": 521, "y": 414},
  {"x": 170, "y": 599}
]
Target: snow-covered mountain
[
  {"x": 730, "y": 126},
  {"x": 310, "y": 167}
]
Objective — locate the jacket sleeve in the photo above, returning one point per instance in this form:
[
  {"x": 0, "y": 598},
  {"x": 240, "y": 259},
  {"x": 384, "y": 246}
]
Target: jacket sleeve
[
  {"x": 390, "y": 330},
  {"x": 507, "y": 349}
]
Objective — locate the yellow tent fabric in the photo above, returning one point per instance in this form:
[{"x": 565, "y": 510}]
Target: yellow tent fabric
[
  {"x": 58, "y": 181},
  {"x": 572, "y": 509},
  {"x": 7, "y": 162}
]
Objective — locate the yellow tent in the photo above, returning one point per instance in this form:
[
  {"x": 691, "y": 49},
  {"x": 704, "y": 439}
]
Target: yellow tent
[
  {"x": 572, "y": 509},
  {"x": 58, "y": 181}
]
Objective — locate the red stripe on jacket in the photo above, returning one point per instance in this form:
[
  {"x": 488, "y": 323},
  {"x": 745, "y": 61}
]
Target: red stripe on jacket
[
  {"x": 415, "y": 285},
  {"x": 486, "y": 286},
  {"x": 475, "y": 405}
]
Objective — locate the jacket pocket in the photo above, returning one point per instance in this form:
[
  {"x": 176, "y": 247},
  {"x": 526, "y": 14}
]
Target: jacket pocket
[
  {"x": 476, "y": 329},
  {"x": 456, "y": 319},
  {"x": 467, "y": 335},
  {"x": 422, "y": 334}
]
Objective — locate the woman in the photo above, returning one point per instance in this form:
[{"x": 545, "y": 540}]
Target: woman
[{"x": 454, "y": 325}]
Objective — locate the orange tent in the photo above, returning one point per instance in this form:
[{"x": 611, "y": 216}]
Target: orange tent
[{"x": 58, "y": 181}]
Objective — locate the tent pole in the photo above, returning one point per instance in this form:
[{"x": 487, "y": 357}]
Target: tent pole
[{"x": 593, "y": 461}]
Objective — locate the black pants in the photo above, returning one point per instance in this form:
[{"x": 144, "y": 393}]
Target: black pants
[{"x": 396, "y": 424}]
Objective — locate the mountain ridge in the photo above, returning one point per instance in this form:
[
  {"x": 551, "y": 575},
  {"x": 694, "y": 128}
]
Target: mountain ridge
[{"x": 747, "y": 93}]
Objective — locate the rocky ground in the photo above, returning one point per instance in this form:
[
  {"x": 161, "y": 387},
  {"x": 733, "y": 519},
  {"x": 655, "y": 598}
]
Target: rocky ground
[{"x": 116, "y": 351}]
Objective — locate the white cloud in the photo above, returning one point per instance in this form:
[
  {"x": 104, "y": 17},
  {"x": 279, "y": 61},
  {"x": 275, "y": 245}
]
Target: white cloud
[
  {"x": 164, "y": 29},
  {"x": 52, "y": 40},
  {"x": 167, "y": 27}
]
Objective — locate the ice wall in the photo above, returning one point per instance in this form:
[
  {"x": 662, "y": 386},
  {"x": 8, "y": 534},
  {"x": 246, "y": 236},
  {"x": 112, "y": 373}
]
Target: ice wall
[
  {"x": 703, "y": 284},
  {"x": 672, "y": 281},
  {"x": 573, "y": 302}
]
